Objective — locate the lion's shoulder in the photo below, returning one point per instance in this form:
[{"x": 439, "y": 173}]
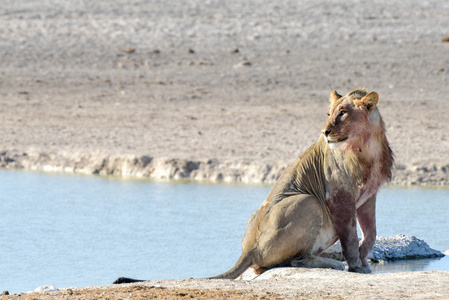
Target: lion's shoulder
[{"x": 303, "y": 176}]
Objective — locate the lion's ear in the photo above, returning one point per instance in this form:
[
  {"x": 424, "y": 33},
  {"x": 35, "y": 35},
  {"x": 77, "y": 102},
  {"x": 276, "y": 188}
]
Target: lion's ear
[
  {"x": 369, "y": 101},
  {"x": 334, "y": 96}
]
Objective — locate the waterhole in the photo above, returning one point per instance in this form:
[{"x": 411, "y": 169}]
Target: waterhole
[{"x": 72, "y": 230}]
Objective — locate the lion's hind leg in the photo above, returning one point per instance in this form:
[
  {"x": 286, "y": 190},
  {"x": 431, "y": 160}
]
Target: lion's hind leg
[{"x": 318, "y": 262}]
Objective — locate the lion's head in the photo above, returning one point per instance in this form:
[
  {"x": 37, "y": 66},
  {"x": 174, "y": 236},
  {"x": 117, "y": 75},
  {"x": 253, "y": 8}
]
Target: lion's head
[{"x": 353, "y": 118}]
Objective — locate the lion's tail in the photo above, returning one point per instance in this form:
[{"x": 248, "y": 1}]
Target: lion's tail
[
  {"x": 245, "y": 261},
  {"x": 122, "y": 280}
]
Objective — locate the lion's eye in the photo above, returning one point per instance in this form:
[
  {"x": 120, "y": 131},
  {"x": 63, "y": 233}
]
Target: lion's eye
[{"x": 342, "y": 113}]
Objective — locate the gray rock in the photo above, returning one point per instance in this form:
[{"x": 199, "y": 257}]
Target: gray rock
[{"x": 393, "y": 248}]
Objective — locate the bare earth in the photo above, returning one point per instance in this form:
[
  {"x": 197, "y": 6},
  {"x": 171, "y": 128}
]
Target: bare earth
[
  {"x": 288, "y": 283},
  {"x": 222, "y": 90}
]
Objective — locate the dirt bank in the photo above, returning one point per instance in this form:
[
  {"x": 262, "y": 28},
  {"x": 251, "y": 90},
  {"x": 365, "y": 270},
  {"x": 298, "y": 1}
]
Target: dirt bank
[
  {"x": 234, "y": 90},
  {"x": 284, "y": 283}
]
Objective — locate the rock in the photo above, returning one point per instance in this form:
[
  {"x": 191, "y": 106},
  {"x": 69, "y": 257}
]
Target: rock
[
  {"x": 402, "y": 247},
  {"x": 393, "y": 248},
  {"x": 271, "y": 274},
  {"x": 45, "y": 289},
  {"x": 244, "y": 63}
]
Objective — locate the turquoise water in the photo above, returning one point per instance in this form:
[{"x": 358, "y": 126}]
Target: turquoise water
[{"x": 69, "y": 230}]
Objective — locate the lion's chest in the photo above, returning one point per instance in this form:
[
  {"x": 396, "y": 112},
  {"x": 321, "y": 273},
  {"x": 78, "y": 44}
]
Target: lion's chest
[
  {"x": 360, "y": 192},
  {"x": 371, "y": 186}
]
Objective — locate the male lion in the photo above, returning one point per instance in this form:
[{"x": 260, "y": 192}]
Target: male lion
[{"x": 320, "y": 197}]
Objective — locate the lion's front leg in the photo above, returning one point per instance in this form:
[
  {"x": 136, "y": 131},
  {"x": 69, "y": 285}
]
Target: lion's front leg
[
  {"x": 343, "y": 211},
  {"x": 366, "y": 215}
]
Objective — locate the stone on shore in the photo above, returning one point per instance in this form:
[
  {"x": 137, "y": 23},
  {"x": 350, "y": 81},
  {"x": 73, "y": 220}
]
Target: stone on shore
[
  {"x": 393, "y": 248},
  {"x": 45, "y": 289}
]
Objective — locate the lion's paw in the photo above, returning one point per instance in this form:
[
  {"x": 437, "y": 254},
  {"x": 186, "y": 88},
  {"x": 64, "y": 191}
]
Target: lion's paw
[{"x": 360, "y": 269}]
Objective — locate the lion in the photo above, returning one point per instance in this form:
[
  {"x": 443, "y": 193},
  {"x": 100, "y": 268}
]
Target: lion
[{"x": 321, "y": 196}]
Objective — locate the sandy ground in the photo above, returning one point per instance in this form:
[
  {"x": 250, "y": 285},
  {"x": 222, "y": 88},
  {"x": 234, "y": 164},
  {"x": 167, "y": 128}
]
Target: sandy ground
[
  {"x": 233, "y": 82},
  {"x": 286, "y": 283}
]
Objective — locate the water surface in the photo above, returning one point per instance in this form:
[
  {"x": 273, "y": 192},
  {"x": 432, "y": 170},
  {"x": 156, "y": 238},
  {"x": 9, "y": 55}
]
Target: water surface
[{"x": 71, "y": 230}]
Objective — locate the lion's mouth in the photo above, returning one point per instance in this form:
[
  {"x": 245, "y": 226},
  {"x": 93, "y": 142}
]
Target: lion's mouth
[{"x": 329, "y": 141}]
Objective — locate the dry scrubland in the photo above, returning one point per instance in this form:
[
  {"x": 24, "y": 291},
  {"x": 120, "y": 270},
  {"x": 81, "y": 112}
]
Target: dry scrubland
[{"x": 222, "y": 90}]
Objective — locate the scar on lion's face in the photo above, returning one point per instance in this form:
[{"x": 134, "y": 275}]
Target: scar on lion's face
[{"x": 348, "y": 117}]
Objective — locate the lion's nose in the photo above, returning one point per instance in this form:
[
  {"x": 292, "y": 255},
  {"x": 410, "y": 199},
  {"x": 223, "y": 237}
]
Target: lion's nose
[{"x": 326, "y": 132}]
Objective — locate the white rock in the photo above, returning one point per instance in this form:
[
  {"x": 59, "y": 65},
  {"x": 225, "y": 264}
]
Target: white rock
[
  {"x": 45, "y": 289},
  {"x": 244, "y": 63}
]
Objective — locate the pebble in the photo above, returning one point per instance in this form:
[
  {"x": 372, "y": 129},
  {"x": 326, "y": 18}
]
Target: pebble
[{"x": 244, "y": 63}]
